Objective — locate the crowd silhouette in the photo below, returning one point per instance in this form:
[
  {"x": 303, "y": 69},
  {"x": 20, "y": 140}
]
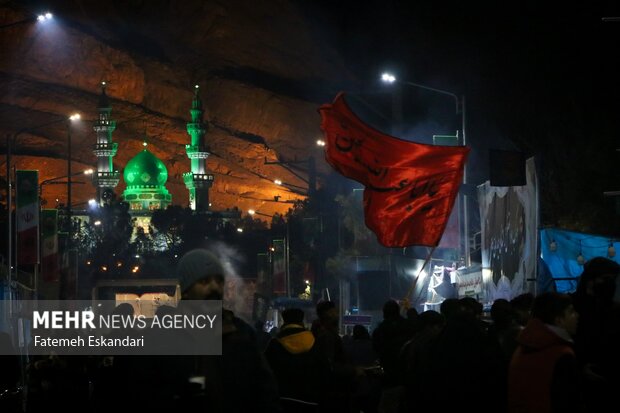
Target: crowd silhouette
[{"x": 547, "y": 353}]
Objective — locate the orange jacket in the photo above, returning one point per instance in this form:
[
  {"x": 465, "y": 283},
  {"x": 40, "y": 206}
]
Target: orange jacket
[{"x": 535, "y": 370}]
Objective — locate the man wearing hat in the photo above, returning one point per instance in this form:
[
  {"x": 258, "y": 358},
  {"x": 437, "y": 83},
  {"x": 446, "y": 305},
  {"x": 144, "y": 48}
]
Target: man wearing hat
[
  {"x": 241, "y": 376},
  {"x": 201, "y": 276}
]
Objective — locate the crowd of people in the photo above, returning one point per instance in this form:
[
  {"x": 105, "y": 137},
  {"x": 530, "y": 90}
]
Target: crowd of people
[{"x": 547, "y": 353}]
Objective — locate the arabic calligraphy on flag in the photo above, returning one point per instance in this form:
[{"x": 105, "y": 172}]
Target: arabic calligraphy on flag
[{"x": 410, "y": 188}]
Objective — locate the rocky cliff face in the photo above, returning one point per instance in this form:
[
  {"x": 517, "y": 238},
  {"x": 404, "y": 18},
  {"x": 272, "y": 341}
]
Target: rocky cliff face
[{"x": 262, "y": 69}]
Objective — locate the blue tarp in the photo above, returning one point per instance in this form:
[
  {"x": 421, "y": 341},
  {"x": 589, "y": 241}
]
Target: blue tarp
[{"x": 562, "y": 263}]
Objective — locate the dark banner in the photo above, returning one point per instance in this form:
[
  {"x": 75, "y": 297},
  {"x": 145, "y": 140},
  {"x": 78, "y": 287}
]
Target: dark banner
[{"x": 279, "y": 266}]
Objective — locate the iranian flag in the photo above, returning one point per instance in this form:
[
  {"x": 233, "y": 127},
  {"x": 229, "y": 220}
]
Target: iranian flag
[
  {"x": 49, "y": 245},
  {"x": 27, "y": 190}
]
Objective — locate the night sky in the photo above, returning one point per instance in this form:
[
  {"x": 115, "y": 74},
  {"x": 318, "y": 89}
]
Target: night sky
[
  {"x": 538, "y": 80},
  {"x": 522, "y": 71}
]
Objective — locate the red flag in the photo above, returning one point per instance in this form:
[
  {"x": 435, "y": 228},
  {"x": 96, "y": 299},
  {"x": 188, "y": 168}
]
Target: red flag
[{"x": 410, "y": 187}]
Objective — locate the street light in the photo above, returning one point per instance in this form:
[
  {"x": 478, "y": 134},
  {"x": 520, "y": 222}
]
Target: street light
[
  {"x": 54, "y": 181},
  {"x": 254, "y": 212},
  {"x": 41, "y": 18},
  {"x": 296, "y": 189},
  {"x": 45, "y": 16},
  {"x": 10, "y": 143},
  {"x": 389, "y": 78}
]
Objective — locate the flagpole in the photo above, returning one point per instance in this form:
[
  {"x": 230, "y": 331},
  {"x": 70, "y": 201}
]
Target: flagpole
[
  {"x": 9, "y": 207},
  {"x": 465, "y": 207},
  {"x": 415, "y": 280},
  {"x": 16, "y": 251}
]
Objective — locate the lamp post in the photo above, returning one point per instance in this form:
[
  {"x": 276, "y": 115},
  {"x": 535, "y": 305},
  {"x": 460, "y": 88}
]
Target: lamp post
[
  {"x": 43, "y": 17},
  {"x": 10, "y": 144},
  {"x": 54, "y": 181},
  {"x": 70, "y": 251},
  {"x": 460, "y": 110},
  {"x": 300, "y": 190},
  {"x": 73, "y": 117}
]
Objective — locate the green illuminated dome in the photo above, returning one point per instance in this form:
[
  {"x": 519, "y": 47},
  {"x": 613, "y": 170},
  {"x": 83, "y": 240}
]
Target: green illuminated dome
[
  {"x": 145, "y": 169},
  {"x": 146, "y": 176}
]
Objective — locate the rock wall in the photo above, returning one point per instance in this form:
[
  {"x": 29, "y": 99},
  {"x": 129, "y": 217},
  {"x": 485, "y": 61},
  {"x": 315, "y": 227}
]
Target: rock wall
[{"x": 263, "y": 74}]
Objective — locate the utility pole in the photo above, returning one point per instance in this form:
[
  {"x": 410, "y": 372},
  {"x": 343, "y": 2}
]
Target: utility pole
[
  {"x": 69, "y": 186},
  {"x": 9, "y": 207}
]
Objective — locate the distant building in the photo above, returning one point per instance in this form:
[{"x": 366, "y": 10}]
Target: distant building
[
  {"x": 198, "y": 181},
  {"x": 145, "y": 175},
  {"x": 105, "y": 177}
]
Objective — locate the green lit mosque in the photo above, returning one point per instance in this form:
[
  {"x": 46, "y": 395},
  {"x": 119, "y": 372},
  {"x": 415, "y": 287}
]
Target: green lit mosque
[{"x": 145, "y": 175}]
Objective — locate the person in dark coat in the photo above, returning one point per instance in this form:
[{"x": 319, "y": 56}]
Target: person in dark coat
[
  {"x": 598, "y": 335},
  {"x": 522, "y": 307},
  {"x": 300, "y": 369},
  {"x": 502, "y": 335},
  {"x": 388, "y": 339},
  {"x": 359, "y": 348},
  {"x": 415, "y": 359},
  {"x": 504, "y": 328},
  {"x": 461, "y": 355},
  {"x": 112, "y": 378},
  {"x": 341, "y": 383},
  {"x": 360, "y": 353},
  {"x": 239, "y": 380}
]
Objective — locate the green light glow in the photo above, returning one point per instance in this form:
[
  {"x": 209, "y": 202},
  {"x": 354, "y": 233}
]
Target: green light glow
[{"x": 146, "y": 176}]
